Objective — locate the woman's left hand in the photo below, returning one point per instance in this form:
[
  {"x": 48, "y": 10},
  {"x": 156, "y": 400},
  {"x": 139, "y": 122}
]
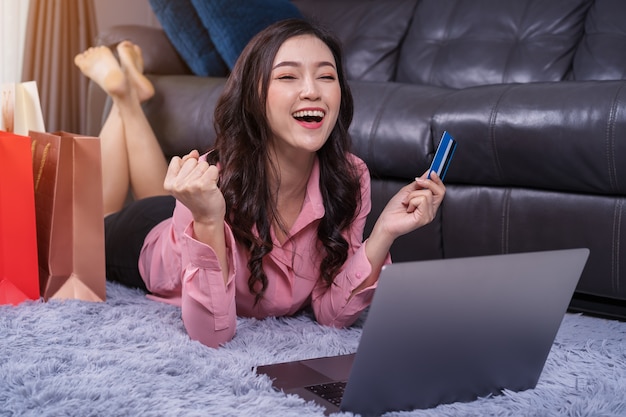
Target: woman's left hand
[{"x": 414, "y": 206}]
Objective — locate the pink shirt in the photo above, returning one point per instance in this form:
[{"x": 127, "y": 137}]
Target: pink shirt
[{"x": 181, "y": 270}]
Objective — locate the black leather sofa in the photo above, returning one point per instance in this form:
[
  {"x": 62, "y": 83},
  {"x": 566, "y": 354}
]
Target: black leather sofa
[{"x": 534, "y": 91}]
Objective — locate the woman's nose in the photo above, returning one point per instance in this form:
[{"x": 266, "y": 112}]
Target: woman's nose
[{"x": 310, "y": 89}]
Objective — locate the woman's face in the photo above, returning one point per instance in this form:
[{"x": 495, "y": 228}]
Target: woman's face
[{"x": 303, "y": 96}]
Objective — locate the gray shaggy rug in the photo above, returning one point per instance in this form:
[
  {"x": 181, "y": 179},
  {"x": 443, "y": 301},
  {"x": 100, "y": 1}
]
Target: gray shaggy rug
[{"x": 130, "y": 356}]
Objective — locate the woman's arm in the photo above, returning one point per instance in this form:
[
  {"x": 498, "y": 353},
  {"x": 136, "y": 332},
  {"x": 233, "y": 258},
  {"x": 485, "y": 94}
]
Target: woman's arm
[
  {"x": 193, "y": 181},
  {"x": 194, "y": 252},
  {"x": 175, "y": 265},
  {"x": 208, "y": 290},
  {"x": 415, "y": 205}
]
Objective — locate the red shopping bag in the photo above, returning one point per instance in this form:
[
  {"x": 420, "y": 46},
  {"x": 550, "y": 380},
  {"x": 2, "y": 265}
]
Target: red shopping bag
[{"x": 19, "y": 276}]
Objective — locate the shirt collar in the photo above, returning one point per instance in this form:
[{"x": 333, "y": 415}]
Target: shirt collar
[{"x": 313, "y": 205}]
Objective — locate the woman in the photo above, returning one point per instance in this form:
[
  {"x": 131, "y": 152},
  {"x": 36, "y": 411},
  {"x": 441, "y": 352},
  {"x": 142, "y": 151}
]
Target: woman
[{"x": 271, "y": 220}]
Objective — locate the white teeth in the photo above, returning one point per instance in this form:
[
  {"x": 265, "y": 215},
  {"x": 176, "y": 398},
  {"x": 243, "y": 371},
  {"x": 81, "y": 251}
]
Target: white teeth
[{"x": 309, "y": 113}]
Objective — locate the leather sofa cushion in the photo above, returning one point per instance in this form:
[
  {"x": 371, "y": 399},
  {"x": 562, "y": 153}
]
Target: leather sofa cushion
[
  {"x": 554, "y": 136},
  {"x": 602, "y": 52},
  {"x": 486, "y": 220},
  {"x": 461, "y": 44},
  {"x": 520, "y": 135},
  {"x": 370, "y": 31},
  {"x": 159, "y": 54},
  {"x": 181, "y": 112},
  {"x": 391, "y": 126}
]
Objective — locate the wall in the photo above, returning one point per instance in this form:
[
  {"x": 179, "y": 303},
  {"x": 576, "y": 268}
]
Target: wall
[
  {"x": 14, "y": 13},
  {"x": 13, "y": 16}
]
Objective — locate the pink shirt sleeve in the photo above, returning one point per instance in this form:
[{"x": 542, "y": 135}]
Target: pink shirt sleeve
[{"x": 181, "y": 270}]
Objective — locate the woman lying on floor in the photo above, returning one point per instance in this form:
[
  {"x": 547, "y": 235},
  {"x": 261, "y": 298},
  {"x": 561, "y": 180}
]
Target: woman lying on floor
[{"x": 270, "y": 220}]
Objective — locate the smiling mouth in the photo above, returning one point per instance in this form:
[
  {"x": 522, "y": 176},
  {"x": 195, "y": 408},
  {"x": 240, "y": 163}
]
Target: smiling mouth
[{"x": 309, "y": 116}]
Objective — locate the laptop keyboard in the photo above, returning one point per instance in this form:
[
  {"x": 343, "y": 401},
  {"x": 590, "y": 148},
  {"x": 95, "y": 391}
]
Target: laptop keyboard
[{"x": 331, "y": 392}]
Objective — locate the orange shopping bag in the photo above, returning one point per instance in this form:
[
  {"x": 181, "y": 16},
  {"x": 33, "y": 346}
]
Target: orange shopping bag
[
  {"x": 67, "y": 171},
  {"x": 18, "y": 240}
]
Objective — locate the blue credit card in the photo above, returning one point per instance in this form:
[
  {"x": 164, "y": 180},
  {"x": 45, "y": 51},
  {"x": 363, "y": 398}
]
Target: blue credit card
[{"x": 443, "y": 155}]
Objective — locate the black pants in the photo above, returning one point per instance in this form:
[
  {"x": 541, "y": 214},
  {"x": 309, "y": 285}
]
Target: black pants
[{"x": 125, "y": 232}]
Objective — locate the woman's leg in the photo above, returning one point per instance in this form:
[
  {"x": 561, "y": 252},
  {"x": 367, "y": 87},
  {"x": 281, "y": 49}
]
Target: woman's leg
[
  {"x": 115, "y": 167},
  {"x": 147, "y": 164},
  {"x": 131, "y": 154}
]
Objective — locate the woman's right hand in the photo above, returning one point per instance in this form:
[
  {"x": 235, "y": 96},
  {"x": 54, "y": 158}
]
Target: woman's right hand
[{"x": 193, "y": 182}]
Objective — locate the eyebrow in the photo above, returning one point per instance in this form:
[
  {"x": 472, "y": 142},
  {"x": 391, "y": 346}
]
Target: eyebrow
[{"x": 298, "y": 64}]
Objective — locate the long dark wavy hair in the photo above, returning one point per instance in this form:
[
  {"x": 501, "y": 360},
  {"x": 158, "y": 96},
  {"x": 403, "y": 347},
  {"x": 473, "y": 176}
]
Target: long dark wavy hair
[{"x": 241, "y": 147}]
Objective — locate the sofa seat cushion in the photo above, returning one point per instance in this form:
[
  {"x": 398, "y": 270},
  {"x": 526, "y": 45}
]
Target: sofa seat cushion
[
  {"x": 461, "y": 44},
  {"x": 391, "y": 129},
  {"x": 159, "y": 55},
  {"x": 181, "y": 112},
  {"x": 563, "y": 136},
  {"x": 518, "y": 135}
]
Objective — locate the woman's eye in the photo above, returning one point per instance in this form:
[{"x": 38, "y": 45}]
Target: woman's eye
[
  {"x": 286, "y": 77},
  {"x": 328, "y": 76}
]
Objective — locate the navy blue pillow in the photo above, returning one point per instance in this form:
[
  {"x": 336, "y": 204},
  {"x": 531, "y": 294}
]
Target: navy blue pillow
[
  {"x": 232, "y": 23},
  {"x": 185, "y": 30}
]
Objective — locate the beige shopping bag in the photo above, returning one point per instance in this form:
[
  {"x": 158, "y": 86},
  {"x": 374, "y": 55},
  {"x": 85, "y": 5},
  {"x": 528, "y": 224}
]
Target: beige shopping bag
[
  {"x": 67, "y": 172},
  {"x": 20, "y": 108}
]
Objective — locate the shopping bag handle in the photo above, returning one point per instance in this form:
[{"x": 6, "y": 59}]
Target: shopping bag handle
[{"x": 44, "y": 156}]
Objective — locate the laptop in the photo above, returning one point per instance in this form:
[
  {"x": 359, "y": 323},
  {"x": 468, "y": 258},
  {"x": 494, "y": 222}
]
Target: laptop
[{"x": 443, "y": 331}]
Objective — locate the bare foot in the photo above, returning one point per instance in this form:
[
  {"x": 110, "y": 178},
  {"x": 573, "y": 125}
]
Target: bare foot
[
  {"x": 99, "y": 64},
  {"x": 132, "y": 65}
]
